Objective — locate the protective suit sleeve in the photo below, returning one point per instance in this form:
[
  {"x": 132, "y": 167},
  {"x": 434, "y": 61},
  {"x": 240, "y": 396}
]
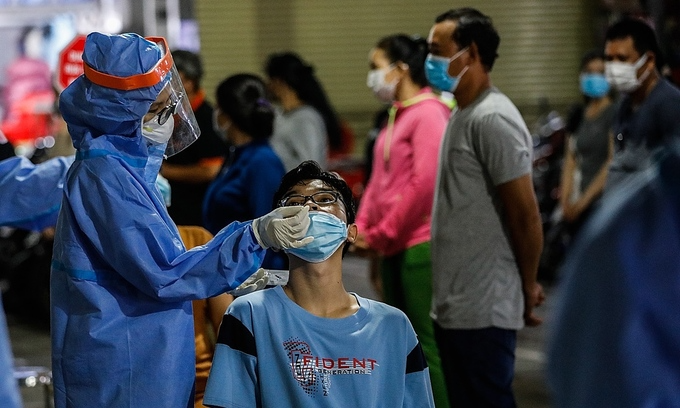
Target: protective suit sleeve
[
  {"x": 127, "y": 225},
  {"x": 31, "y": 194}
]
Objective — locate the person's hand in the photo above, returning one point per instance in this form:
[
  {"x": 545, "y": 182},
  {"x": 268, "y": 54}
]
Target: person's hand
[
  {"x": 571, "y": 212},
  {"x": 256, "y": 281},
  {"x": 533, "y": 297},
  {"x": 283, "y": 228}
]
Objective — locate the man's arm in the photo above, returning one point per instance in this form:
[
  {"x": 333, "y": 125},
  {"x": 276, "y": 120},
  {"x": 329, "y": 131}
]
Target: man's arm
[{"x": 526, "y": 235}]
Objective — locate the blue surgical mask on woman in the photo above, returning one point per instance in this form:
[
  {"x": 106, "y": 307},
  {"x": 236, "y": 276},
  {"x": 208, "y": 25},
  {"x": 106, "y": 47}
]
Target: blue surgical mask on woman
[
  {"x": 594, "y": 85},
  {"x": 437, "y": 71},
  {"x": 329, "y": 233}
]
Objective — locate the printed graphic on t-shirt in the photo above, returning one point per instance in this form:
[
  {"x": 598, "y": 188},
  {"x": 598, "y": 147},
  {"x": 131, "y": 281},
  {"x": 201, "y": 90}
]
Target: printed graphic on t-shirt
[{"x": 311, "y": 371}]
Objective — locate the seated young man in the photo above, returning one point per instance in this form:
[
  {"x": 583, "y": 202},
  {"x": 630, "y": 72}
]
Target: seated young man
[{"x": 311, "y": 343}]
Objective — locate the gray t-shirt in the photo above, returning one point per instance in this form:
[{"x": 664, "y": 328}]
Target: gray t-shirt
[
  {"x": 592, "y": 144},
  {"x": 300, "y": 135},
  {"x": 475, "y": 275}
]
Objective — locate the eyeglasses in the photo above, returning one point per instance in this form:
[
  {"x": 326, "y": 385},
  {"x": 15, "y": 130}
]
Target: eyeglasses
[
  {"x": 322, "y": 198},
  {"x": 165, "y": 113}
]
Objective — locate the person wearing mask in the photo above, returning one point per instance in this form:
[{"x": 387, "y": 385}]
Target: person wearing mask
[
  {"x": 310, "y": 343},
  {"x": 191, "y": 171},
  {"x": 486, "y": 228},
  {"x": 589, "y": 144},
  {"x": 615, "y": 338},
  {"x": 245, "y": 187},
  {"x": 19, "y": 181},
  {"x": 395, "y": 212},
  {"x": 308, "y": 124},
  {"x": 647, "y": 118},
  {"x": 121, "y": 280}
]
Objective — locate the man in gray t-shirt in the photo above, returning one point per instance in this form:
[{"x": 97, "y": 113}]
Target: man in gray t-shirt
[{"x": 486, "y": 228}]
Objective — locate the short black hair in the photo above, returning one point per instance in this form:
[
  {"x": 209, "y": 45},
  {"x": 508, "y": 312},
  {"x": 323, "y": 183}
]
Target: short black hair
[
  {"x": 310, "y": 170},
  {"x": 189, "y": 64},
  {"x": 644, "y": 38},
  {"x": 474, "y": 27},
  {"x": 410, "y": 50}
]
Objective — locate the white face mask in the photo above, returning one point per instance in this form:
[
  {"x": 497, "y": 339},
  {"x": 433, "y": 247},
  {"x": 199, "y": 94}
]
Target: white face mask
[
  {"x": 623, "y": 75},
  {"x": 376, "y": 81},
  {"x": 156, "y": 133}
]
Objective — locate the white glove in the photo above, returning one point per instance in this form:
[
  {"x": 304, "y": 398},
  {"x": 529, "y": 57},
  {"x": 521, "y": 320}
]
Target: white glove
[
  {"x": 256, "y": 281},
  {"x": 283, "y": 228}
]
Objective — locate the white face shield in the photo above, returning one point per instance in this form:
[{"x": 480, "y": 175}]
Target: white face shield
[
  {"x": 170, "y": 118},
  {"x": 175, "y": 117}
]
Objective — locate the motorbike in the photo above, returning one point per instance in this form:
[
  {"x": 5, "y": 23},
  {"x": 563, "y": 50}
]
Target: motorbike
[{"x": 549, "y": 136}]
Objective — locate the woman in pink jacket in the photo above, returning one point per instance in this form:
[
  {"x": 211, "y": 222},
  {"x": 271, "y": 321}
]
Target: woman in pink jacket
[{"x": 395, "y": 209}]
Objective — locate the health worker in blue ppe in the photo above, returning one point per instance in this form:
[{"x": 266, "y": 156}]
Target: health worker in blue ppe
[
  {"x": 615, "y": 337},
  {"x": 122, "y": 281}
]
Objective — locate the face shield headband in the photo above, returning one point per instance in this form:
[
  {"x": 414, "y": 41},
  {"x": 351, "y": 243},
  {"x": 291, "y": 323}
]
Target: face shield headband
[{"x": 186, "y": 129}]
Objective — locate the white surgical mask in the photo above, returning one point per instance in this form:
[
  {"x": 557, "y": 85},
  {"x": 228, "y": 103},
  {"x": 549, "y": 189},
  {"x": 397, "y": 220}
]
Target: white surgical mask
[
  {"x": 159, "y": 134},
  {"x": 623, "y": 75},
  {"x": 385, "y": 92}
]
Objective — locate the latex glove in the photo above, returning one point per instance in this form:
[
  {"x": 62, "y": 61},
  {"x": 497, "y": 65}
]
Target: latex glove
[
  {"x": 256, "y": 281},
  {"x": 163, "y": 186},
  {"x": 283, "y": 228}
]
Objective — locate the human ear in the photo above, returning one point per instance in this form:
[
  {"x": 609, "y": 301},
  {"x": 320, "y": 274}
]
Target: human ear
[
  {"x": 352, "y": 231},
  {"x": 473, "y": 52}
]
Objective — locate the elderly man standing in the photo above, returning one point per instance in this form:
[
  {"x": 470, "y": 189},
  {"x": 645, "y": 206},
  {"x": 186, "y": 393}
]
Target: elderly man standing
[{"x": 486, "y": 227}]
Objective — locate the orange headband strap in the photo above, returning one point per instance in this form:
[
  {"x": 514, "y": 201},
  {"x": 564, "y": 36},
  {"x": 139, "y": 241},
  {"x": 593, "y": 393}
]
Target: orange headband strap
[{"x": 145, "y": 80}]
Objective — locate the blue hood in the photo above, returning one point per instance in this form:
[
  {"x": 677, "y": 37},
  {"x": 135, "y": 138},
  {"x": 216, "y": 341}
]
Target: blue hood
[{"x": 92, "y": 110}]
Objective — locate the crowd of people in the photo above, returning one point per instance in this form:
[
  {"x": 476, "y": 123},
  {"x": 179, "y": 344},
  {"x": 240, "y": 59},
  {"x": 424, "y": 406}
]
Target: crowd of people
[{"x": 141, "y": 307}]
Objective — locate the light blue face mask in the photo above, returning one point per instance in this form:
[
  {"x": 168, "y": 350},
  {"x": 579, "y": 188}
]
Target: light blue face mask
[
  {"x": 594, "y": 85},
  {"x": 329, "y": 233},
  {"x": 436, "y": 71}
]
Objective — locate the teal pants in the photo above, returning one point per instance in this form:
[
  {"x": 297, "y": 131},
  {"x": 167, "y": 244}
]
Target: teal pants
[{"x": 407, "y": 285}]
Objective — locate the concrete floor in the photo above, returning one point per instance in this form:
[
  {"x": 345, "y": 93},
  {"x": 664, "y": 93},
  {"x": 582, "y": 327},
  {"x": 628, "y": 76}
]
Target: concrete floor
[{"x": 31, "y": 346}]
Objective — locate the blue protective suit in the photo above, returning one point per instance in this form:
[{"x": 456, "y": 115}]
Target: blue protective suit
[
  {"x": 31, "y": 194},
  {"x": 9, "y": 392},
  {"x": 616, "y": 340},
  {"x": 122, "y": 281}
]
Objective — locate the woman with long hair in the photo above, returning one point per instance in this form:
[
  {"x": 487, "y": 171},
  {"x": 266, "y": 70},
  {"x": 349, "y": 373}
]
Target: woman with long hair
[
  {"x": 308, "y": 126},
  {"x": 395, "y": 210}
]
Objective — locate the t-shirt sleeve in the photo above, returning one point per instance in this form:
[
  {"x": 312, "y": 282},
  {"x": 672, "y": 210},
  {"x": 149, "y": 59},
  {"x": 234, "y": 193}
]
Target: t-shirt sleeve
[
  {"x": 233, "y": 380},
  {"x": 503, "y": 148},
  {"x": 417, "y": 387}
]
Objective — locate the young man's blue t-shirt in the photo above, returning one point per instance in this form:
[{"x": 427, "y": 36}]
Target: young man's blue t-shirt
[{"x": 273, "y": 353}]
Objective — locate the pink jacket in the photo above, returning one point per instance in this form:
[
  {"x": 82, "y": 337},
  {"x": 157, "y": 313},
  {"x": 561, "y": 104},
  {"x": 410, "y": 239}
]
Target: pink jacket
[{"x": 396, "y": 207}]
